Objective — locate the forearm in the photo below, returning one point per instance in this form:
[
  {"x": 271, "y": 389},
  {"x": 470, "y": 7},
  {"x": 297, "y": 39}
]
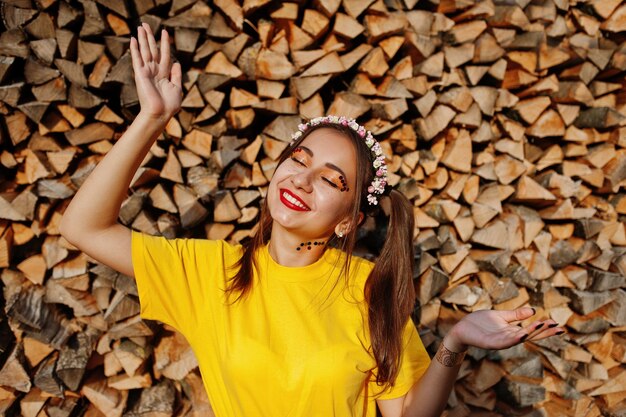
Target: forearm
[
  {"x": 485, "y": 329},
  {"x": 429, "y": 395},
  {"x": 97, "y": 203}
]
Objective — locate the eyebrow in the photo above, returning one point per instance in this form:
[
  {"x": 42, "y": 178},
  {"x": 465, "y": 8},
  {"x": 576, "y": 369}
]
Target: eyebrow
[{"x": 328, "y": 164}]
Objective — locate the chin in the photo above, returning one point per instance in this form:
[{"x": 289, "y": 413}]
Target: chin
[{"x": 286, "y": 220}]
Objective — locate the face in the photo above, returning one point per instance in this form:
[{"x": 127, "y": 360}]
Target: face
[{"x": 312, "y": 191}]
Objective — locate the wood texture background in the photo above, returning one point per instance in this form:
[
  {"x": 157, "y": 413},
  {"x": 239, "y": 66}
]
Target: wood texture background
[{"x": 502, "y": 121}]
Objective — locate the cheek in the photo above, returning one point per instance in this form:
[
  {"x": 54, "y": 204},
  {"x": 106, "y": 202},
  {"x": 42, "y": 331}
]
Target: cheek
[
  {"x": 280, "y": 173},
  {"x": 332, "y": 199}
]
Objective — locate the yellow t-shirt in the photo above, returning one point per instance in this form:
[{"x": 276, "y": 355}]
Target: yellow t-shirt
[{"x": 297, "y": 345}]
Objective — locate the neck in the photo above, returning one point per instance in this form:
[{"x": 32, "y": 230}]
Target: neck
[{"x": 289, "y": 249}]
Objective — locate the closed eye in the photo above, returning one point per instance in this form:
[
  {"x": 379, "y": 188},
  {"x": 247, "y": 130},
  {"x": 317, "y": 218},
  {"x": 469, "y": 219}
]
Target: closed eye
[
  {"x": 296, "y": 160},
  {"x": 330, "y": 182}
]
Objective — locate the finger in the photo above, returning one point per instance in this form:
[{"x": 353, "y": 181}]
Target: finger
[
  {"x": 535, "y": 328},
  {"x": 135, "y": 56},
  {"x": 518, "y": 314},
  {"x": 154, "y": 49},
  {"x": 166, "y": 61},
  {"x": 176, "y": 76},
  {"x": 549, "y": 330},
  {"x": 144, "y": 49}
]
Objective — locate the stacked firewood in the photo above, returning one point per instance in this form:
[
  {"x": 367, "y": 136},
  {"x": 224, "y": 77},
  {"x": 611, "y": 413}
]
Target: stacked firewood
[{"x": 503, "y": 121}]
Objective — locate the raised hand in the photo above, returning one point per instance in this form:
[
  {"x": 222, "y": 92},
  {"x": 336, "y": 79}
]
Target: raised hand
[
  {"x": 492, "y": 329},
  {"x": 159, "y": 82}
]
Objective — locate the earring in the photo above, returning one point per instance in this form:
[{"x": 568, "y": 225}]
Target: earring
[{"x": 340, "y": 234}]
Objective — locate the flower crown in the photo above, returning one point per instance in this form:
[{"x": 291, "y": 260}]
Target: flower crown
[{"x": 377, "y": 187}]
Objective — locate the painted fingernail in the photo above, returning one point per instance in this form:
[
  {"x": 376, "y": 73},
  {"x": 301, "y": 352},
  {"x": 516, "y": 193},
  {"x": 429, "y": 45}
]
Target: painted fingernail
[
  {"x": 560, "y": 332},
  {"x": 553, "y": 325},
  {"x": 539, "y": 326},
  {"x": 521, "y": 339}
]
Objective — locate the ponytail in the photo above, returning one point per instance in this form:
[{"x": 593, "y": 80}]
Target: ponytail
[
  {"x": 241, "y": 283},
  {"x": 389, "y": 290}
]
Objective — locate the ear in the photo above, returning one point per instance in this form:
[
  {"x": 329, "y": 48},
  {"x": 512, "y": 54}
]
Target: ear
[{"x": 345, "y": 226}]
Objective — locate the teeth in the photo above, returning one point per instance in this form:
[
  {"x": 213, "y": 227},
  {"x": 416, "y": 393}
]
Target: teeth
[{"x": 294, "y": 201}]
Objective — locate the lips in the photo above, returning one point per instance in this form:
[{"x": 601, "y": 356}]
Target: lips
[{"x": 292, "y": 201}]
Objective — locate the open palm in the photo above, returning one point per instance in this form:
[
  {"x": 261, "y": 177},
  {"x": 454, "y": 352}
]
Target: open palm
[
  {"x": 492, "y": 329},
  {"x": 158, "y": 81}
]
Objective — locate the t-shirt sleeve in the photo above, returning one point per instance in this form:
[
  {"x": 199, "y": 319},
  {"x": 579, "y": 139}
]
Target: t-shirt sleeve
[
  {"x": 413, "y": 365},
  {"x": 173, "y": 279}
]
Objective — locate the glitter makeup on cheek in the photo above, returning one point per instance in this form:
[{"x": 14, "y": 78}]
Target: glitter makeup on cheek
[{"x": 344, "y": 184}]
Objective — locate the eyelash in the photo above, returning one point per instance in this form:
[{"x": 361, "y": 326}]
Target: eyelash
[
  {"x": 293, "y": 158},
  {"x": 332, "y": 184}
]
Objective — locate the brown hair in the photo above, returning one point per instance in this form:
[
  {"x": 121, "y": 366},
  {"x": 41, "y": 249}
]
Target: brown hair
[{"x": 389, "y": 288}]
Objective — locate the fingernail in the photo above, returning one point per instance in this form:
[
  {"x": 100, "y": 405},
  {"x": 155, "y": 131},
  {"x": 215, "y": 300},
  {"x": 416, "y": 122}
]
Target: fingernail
[
  {"x": 553, "y": 325},
  {"x": 539, "y": 326},
  {"x": 560, "y": 332},
  {"x": 521, "y": 339}
]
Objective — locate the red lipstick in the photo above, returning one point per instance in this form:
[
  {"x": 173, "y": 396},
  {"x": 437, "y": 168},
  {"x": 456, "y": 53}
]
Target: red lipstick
[{"x": 292, "y": 201}]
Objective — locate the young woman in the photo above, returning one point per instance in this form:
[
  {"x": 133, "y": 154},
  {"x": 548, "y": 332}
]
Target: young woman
[{"x": 291, "y": 324}]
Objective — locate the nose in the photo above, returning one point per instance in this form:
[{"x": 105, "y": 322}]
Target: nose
[{"x": 302, "y": 180}]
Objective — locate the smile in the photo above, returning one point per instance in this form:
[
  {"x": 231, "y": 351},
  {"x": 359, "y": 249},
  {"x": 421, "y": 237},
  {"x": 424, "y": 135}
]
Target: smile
[{"x": 292, "y": 201}]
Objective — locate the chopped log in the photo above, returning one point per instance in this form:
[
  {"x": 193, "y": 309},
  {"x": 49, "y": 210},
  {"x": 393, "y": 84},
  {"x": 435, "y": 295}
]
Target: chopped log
[
  {"x": 379, "y": 27},
  {"x": 220, "y": 65},
  {"x": 89, "y": 133},
  {"x": 495, "y": 236},
  {"x": 42, "y": 321},
  {"x": 330, "y": 64},
  {"x": 13, "y": 374},
  {"x": 435, "y": 122},
  {"x": 191, "y": 211},
  {"x": 347, "y": 26},
  {"x": 226, "y": 209},
  {"x": 351, "y": 58},
  {"x": 174, "y": 358},
  {"x": 314, "y": 23},
  {"x": 72, "y": 361},
  {"x": 374, "y": 63},
  {"x": 45, "y": 379},
  {"x": 108, "y": 401},
  {"x": 272, "y": 65},
  {"x": 156, "y": 400}
]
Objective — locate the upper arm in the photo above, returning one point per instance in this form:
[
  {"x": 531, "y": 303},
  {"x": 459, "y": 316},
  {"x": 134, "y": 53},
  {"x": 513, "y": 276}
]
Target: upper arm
[
  {"x": 413, "y": 364},
  {"x": 110, "y": 246},
  {"x": 391, "y": 408}
]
